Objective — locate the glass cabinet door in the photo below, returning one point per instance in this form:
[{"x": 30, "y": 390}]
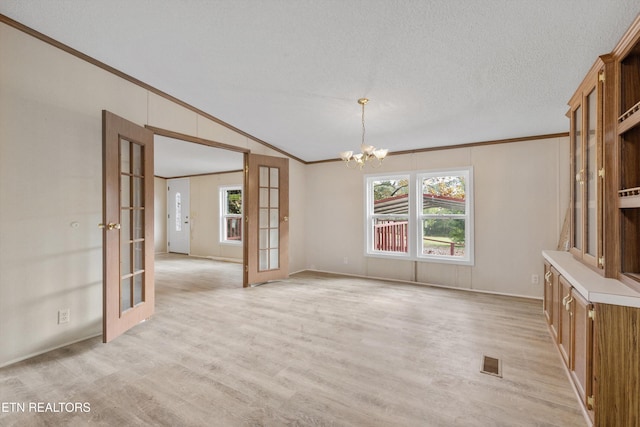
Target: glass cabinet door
[
  {"x": 586, "y": 152},
  {"x": 591, "y": 176},
  {"x": 578, "y": 173}
]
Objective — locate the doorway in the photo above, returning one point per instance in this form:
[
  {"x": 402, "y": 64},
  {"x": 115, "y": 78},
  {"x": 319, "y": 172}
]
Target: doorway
[
  {"x": 189, "y": 176},
  {"x": 263, "y": 250}
]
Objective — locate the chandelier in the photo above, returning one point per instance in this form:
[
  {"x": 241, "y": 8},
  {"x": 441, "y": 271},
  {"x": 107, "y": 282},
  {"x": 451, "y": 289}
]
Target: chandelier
[{"x": 368, "y": 153}]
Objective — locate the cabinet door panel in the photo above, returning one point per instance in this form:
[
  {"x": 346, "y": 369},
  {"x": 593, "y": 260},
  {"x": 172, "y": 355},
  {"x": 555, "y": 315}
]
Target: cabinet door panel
[
  {"x": 556, "y": 292},
  {"x": 547, "y": 302},
  {"x": 583, "y": 346},
  {"x": 565, "y": 335}
]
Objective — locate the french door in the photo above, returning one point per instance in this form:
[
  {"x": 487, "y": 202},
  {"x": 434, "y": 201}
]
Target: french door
[
  {"x": 267, "y": 216},
  {"x": 128, "y": 251}
]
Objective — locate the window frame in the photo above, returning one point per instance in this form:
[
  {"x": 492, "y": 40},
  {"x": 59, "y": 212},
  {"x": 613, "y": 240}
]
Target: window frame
[
  {"x": 223, "y": 193},
  {"x": 371, "y": 217},
  {"x": 415, "y": 216}
]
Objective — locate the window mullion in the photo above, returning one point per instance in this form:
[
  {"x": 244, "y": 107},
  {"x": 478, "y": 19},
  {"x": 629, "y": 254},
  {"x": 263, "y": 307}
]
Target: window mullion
[{"x": 414, "y": 206}]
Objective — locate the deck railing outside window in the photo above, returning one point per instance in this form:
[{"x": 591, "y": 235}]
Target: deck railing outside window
[
  {"x": 391, "y": 236},
  {"x": 234, "y": 228}
]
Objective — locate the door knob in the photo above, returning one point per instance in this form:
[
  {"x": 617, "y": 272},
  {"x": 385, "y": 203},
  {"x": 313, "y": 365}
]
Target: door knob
[
  {"x": 110, "y": 226},
  {"x": 285, "y": 219}
]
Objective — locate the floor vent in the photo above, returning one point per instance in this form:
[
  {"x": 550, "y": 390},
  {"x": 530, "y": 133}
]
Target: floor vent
[{"x": 491, "y": 366}]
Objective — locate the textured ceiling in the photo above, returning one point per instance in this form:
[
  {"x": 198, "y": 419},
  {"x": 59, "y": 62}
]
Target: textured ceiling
[
  {"x": 289, "y": 72},
  {"x": 175, "y": 158}
]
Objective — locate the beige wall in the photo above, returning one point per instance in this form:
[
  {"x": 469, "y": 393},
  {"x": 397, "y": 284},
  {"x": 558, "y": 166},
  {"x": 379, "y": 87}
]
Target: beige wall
[
  {"x": 204, "y": 206},
  {"x": 160, "y": 215},
  {"x": 205, "y": 216},
  {"x": 520, "y": 202},
  {"x": 51, "y": 178}
]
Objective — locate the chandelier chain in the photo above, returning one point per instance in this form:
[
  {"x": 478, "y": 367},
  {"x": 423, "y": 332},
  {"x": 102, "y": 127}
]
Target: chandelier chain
[{"x": 363, "y": 122}]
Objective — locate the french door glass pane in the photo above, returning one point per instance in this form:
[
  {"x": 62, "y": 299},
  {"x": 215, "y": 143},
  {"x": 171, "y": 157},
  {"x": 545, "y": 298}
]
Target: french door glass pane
[
  {"x": 125, "y": 294},
  {"x": 138, "y": 192},
  {"x": 125, "y": 191},
  {"x": 138, "y": 256},
  {"x": 137, "y": 288},
  {"x": 131, "y": 224},
  {"x": 274, "y": 196},
  {"x": 263, "y": 263},
  {"x": 273, "y": 218},
  {"x": 264, "y": 176},
  {"x": 125, "y": 156},
  {"x": 274, "y": 238},
  {"x": 269, "y": 219},
  {"x": 274, "y": 175},
  {"x": 125, "y": 226},
  {"x": 264, "y": 198},
  {"x": 138, "y": 220},
  {"x": 264, "y": 218},
  {"x": 136, "y": 161},
  {"x": 263, "y": 241},
  {"x": 274, "y": 262},
  {"x": 125, "y": 258}
]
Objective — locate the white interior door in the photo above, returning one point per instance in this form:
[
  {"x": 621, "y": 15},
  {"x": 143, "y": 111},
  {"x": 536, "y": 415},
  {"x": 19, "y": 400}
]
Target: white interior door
[{"x": 179, "y": 233}]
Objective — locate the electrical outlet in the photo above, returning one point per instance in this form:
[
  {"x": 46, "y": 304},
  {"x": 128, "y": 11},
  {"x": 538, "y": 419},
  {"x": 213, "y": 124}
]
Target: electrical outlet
[
  {"x": 535, "y": 279},
  {"x": 63, "y": 315}
]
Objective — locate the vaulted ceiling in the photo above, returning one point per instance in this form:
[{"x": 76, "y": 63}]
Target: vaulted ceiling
[{"x": 289, "y": 72}]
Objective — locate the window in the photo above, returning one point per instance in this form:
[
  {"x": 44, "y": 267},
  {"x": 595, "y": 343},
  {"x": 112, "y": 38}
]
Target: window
[
  {"x": 389, "y": 216},
  {"x": 425, "y": 215},
  {"x": 231, "y": 215}
]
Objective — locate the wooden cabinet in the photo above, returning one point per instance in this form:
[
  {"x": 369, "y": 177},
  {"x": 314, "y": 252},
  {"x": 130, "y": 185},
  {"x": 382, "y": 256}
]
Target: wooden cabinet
[
  {"x": 571, "y": 321},
  {"x": 627, "y": 55},
  {"x": 601, "y": 346}
]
